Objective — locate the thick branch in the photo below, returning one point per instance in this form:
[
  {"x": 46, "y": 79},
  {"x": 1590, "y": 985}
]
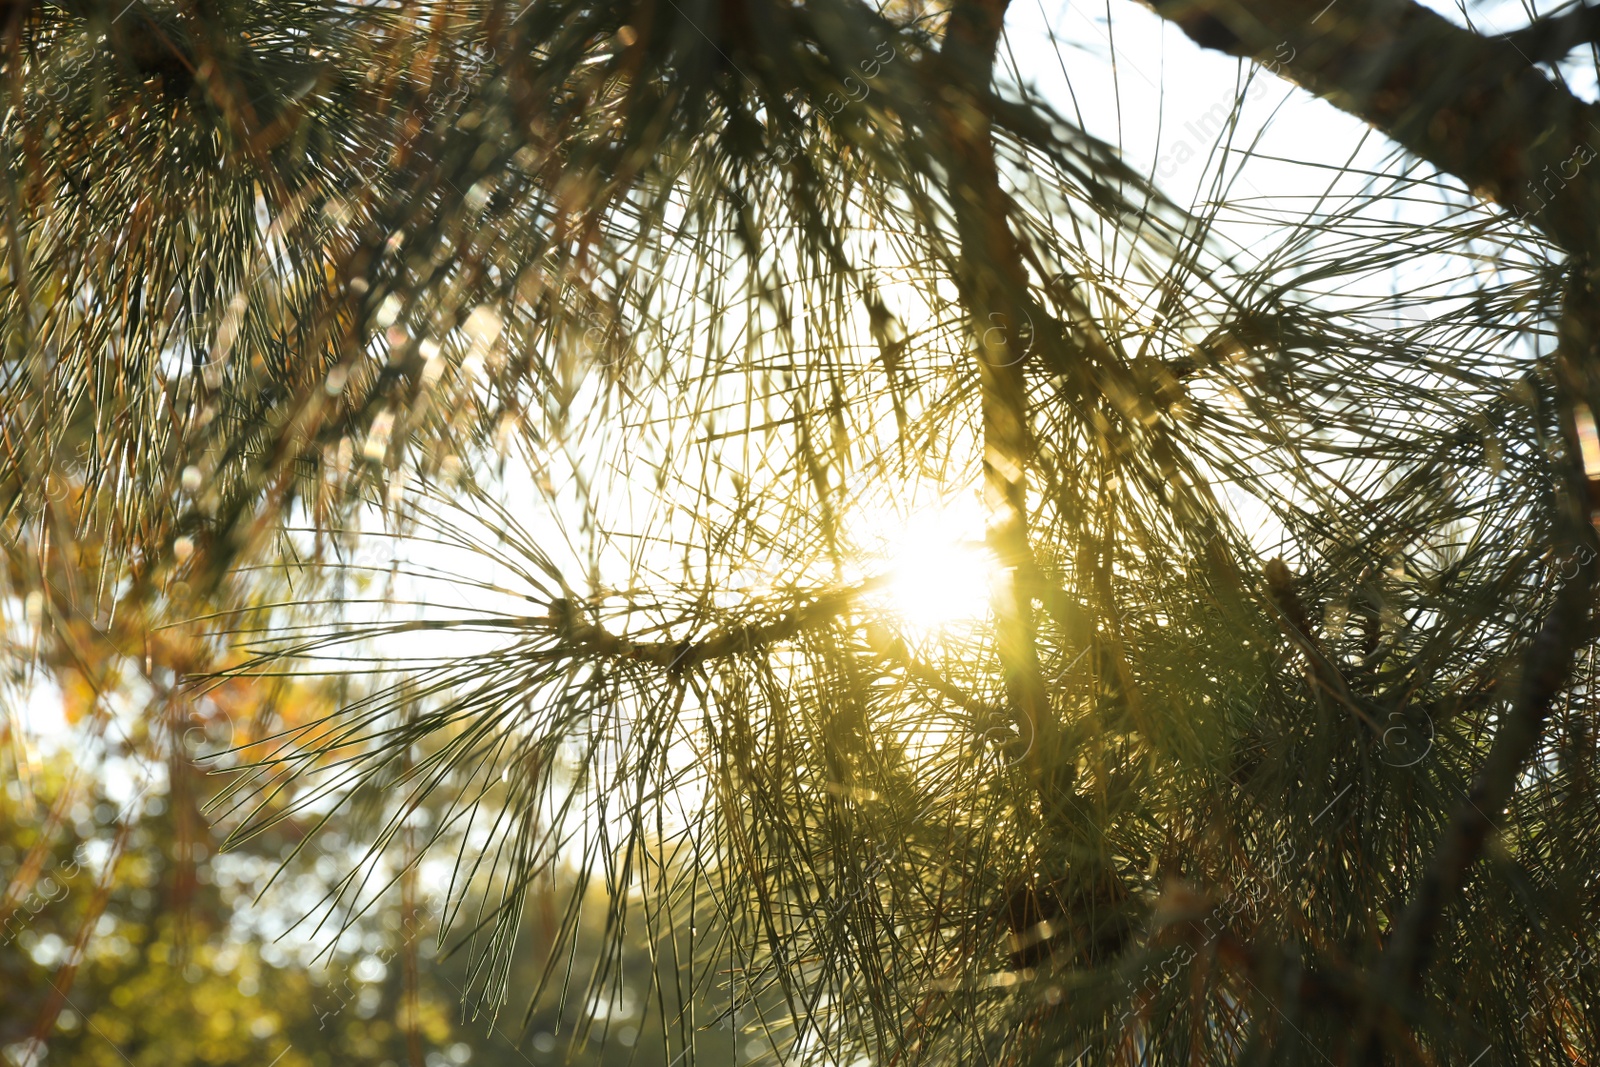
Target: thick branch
[
  {"x": 1296, "y": 625},
  {"x": 1473, "y": 106},
  {"x": 993, "y": 282},
  {"x": 1550, "y": 39}
]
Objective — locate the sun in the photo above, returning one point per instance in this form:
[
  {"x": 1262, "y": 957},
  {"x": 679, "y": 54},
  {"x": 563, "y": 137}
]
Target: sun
[{"x": 938, "y": 575}]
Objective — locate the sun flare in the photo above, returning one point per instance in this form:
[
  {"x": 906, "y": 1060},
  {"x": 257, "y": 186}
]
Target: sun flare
[{"x": 938, "y": 572}]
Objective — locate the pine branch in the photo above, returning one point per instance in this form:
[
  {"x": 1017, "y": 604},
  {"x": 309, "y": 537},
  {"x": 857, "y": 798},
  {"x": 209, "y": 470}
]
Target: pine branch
[
  {"x": 1551, "y": 38},
  {"x": 993, "y": 280},
  {"x": 584, "y": 637},
  {"x": 1545, "y": 671},
  {"x": 587, "y": 638},
  {"x": 1295, "y": 623},
  {"x": 894, "y": 651}
]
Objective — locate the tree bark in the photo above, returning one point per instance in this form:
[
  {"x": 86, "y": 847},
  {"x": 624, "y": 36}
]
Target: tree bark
[{"x": 1550, "y": 39}]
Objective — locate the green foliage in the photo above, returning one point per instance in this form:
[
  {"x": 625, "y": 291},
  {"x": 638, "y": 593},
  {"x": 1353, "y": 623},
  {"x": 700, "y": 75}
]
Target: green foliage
[{"x": 184, "y": 964}]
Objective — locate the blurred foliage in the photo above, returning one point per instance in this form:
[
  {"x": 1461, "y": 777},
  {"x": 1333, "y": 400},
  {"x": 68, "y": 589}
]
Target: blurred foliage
[{"x": 179, "y": 965}]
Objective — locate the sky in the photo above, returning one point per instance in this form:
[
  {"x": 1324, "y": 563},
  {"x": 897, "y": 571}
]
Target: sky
[{"x": 1163, "y": 97}]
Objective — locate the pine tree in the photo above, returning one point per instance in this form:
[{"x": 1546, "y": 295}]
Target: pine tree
[{"x": 645, "y": 310}]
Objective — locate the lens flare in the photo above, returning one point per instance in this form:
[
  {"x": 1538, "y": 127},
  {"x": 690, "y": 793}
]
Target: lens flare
[{"x": 939, "y": 573}]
